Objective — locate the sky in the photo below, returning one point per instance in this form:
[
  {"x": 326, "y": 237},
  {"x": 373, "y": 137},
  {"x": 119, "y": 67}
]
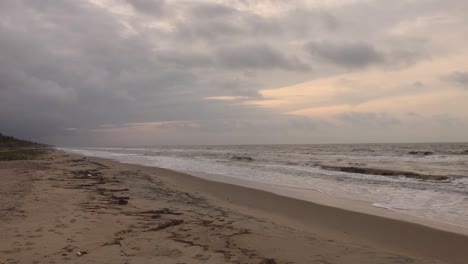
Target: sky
[{"x": 165, "y": 72}]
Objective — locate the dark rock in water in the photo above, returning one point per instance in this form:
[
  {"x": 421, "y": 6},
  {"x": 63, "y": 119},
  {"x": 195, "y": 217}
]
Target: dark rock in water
[
  {"x": 421, "y": 153},
  {"x": 242, "y": 158},
  {"x": 465, "y": 152}
]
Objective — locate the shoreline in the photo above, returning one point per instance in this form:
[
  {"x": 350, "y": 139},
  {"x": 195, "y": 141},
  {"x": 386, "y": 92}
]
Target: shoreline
[
  {"x": 398, "y": 234},
  {"x": 64, "y": 204},
  {"x": 327, "y": 197},
  {"x": 318, "y": 197},
  {"x": 321, "y": 198}
]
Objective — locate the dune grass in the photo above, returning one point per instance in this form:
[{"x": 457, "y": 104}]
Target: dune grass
[{"x": 20, "y": 154}]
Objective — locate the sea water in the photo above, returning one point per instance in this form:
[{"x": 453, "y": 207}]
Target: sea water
[{"x": 316, "y": 168}]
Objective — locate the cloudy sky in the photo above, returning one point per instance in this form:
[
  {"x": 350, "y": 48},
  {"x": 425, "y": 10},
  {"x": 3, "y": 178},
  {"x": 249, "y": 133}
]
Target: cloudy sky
[{"x": 149, "y": 72}]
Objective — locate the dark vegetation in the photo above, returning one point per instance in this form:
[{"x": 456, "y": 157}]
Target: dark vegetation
[
  {"x": 16, "y": 149},
  {"x": 7, "y": 142}
]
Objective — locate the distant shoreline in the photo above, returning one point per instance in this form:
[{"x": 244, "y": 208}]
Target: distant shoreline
[{"x": 266, "y": 144}]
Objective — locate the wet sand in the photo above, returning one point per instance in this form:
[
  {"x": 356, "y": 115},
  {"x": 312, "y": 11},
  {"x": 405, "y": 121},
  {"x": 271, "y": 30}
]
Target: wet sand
[{"x": 68, "y": 209}]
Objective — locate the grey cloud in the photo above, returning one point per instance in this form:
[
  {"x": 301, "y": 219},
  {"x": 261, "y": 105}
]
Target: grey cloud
[
  {"x": 219, "y": 23},
  {"x": 235, "y": 87},
  {"x": 446, "y": 120},
  {"x": 185, "y": 59},
  {"x": 349, "y": 55},
  {"x": 208, "y": 31},
  {"x": 403, "y": 57},
  {"x": 458, "y": 77},
  {"x": 350, "y": 96},
  {"x": 211, "y": 10},
  {"x": 392, "y": 53},
  {"x": 150, "y": 7},
  {"x": 258, "y": 57},
  {"x": 368, "y": 119}
]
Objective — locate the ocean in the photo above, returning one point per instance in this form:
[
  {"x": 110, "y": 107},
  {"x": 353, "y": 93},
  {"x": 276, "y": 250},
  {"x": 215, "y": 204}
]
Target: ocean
[{"x": 428, "y": 180}]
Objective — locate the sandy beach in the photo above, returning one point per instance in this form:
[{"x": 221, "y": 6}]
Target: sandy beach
[{"x": 64, "y": 208}]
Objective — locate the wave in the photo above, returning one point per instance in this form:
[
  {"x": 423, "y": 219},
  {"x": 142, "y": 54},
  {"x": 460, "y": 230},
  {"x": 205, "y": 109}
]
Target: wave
[{"x": 389, "y": 173}]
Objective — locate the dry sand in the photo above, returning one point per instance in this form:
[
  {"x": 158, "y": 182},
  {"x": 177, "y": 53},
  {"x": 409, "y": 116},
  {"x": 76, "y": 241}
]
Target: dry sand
[{"x": 60, "y": 205}]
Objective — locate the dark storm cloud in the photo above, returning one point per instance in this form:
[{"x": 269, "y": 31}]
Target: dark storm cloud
[
  {"x": 459, "y": 78},
  {"x": 349, "y": 55}
]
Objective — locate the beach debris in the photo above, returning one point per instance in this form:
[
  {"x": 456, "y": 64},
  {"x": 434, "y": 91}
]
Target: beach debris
[
  {"x": 421, "y": 153},
  {"x": 113, "y": 190},
  {"x": 122, "y": 201},
  {"x": 161, "y": 211},
  {"x": 69, "y": 248},
  {"x": 81, "y": 253},
  {"x": 268, "y": 261},
  {"x": 242, "y": 158},
  {"x": 116, "y": 241},
  {"x": 86, "y": 174},
  {"x": 170, "y": 223}
]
